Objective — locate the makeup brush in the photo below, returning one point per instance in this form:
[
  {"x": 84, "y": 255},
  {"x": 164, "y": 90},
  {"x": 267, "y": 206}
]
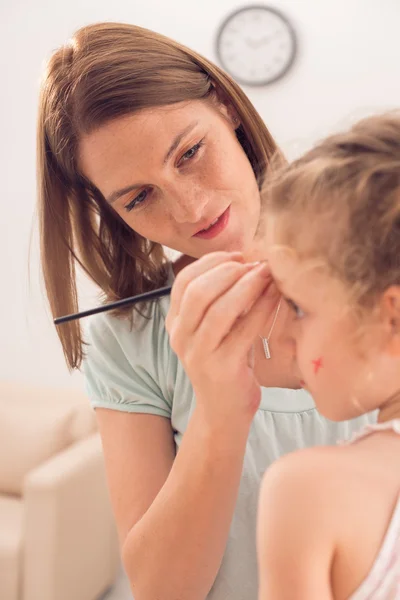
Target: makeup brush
[{"x": 153, "y": 295}]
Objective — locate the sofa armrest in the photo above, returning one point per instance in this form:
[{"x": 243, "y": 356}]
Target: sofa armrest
[{"x": 70, "y": 539}]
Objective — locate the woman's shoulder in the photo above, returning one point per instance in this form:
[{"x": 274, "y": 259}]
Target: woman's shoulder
[
  {"x": 128, "y": 360},
  {"x": 130, "y": 346},
  {"x": 144, "y": 324},
  {"x": 141, "y": 326}
]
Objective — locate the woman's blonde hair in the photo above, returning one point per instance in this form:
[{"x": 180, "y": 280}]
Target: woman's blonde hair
[
  {"x": 108, "y": 70},
  {"x": 339, "y": 205}
]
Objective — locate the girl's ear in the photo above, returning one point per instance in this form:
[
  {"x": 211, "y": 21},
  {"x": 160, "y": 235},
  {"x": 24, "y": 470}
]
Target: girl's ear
[{"x": 390, "y": 307}]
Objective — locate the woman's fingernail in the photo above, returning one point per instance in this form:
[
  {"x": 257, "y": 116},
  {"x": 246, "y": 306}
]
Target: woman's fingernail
[
  {"x": 251, "y": 265},
  {"x": 262, "y": 268},
  {"x": 256, "y": 263},
  {"x": 260, "y": 263}
]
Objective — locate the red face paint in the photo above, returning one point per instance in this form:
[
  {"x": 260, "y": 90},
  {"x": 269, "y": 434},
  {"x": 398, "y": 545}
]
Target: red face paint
[{"x": 317, "y": 365}]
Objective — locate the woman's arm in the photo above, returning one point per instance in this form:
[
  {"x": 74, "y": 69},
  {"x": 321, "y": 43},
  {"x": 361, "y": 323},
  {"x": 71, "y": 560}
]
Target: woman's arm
[
  {"x": 295, "y": 533},
  {"x": 174, "y": 514}
]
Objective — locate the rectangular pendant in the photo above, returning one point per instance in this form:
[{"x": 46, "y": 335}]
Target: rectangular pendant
[{"x": 266, "y": 348}]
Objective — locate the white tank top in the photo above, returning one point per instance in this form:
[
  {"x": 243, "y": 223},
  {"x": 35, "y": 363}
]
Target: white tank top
[{"x": 383, "y": 581}]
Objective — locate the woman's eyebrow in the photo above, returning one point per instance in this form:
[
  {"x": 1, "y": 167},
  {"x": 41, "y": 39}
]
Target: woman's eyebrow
[{"x": 118, "y": 193}]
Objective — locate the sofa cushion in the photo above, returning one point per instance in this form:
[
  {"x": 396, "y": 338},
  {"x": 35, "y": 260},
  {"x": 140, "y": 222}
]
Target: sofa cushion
[
  {"x": 28, "y": 438},
  {"x": 35, "y": 424},
  {"x": 11, "y": 516}
]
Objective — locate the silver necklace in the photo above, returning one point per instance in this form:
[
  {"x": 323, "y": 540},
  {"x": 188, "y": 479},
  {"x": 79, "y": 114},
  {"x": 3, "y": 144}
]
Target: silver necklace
[{"x": 265, "y": 340}]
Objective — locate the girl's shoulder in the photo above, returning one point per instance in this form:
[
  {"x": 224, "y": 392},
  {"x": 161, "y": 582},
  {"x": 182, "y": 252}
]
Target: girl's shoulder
[
  {"x": 330, "y": 477},
  {"x": 319, "y": 469},
  {"x": 337, "y": 499}
]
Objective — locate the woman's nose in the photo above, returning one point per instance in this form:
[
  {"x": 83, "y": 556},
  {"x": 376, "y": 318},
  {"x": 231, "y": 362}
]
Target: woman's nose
[{"x": 188, "y": 205}]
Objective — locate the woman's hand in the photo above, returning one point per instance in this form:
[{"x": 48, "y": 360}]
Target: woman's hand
[{"x": 219, "y": 305}]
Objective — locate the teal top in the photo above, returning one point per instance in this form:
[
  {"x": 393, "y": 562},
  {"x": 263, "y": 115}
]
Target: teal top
[{"x": 135, "y": 370}]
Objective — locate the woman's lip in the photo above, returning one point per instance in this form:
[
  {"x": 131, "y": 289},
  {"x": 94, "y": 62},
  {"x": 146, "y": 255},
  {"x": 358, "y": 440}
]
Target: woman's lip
[{"x": 216, "y": 229}]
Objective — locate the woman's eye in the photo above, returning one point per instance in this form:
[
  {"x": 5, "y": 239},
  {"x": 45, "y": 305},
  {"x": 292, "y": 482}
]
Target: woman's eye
[
  {"x": 299, "y": 313},
  {"x": 191, "y": 152},
  {"x": 140, "y": 198}
]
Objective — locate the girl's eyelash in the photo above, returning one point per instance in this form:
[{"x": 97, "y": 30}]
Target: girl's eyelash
[
  {"x": 296, "y": 308},
  {"x": 185, "y": 157}
]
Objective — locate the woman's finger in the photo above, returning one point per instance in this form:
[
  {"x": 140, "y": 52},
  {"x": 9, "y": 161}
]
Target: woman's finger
[
  {"x": 224, "y": 313},
  {"x": 201, "y": 294},
  {"x": 191, "y": 273},
  {"x": 249, "y": 326}
]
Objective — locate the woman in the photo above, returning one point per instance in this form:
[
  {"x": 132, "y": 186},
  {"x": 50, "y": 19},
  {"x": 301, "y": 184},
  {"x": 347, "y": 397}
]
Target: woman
[{"x": 145, "y": 144}]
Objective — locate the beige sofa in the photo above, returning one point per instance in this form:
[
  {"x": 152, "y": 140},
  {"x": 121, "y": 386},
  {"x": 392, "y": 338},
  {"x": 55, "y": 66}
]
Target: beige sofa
[{"x": 57, "y": 535}]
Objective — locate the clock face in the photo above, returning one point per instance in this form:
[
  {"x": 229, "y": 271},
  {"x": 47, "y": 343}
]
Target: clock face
[{"x": 256, "y": 45}]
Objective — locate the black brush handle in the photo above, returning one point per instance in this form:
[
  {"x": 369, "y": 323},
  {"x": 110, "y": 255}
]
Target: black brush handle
[{"x": 153, "y": 295}]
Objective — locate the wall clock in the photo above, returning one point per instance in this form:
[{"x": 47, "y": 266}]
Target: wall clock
[{"x": 256, "y": 45}]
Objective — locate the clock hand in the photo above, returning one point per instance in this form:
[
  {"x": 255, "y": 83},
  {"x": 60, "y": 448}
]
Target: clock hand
[
  {"x": 251, "y": 43},
  {"x": 264, "y": 41},
  {"x": 269, "y": 38}
]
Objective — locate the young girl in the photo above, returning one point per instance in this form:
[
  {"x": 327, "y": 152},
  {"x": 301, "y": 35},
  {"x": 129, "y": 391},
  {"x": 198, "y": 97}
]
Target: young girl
[{"x": 329, "y": 517}]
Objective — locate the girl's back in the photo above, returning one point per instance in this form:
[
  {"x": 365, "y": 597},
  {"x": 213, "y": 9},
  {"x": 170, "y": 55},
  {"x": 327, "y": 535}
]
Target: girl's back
[{"x": 367, "y": 515}]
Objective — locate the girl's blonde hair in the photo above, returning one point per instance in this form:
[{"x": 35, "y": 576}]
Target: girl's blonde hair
[
  {"x": 106, "y": 71},
  {"x": 340, "y": 203}
]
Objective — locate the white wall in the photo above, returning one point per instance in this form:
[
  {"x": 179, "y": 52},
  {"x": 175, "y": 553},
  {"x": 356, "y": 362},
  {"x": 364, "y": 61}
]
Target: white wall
[{"x": 348, "y": 64}]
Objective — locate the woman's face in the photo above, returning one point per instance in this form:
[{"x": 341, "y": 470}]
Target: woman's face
[{"x": 170, "y": 172}]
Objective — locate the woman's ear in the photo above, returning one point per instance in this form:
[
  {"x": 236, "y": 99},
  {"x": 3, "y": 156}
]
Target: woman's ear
[
  {"x": 390, "y": 307},
  {"x": 225, "y": 107},
  {"x": 231, "y": 115}
]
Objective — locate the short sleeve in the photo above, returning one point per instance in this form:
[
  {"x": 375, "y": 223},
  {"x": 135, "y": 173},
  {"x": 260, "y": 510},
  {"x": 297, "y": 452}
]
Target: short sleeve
[{"x": 125, "y": 365}]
